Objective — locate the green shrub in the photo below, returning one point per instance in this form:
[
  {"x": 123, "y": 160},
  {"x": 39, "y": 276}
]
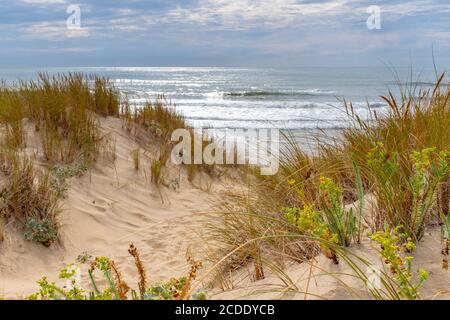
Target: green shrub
[
  {"x": 29, "y": 199},
  {"x": 340, "y": 221},
  {"x": 60, "y": 173},
  {"x": 393, "y": 245},
  {"x": 406, "y": 196},
  {"x": 43, "y": 231}
]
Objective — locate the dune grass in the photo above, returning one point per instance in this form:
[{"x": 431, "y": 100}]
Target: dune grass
[
  {"x": 152, "y": 126},
  {"x": 136, "y": 157},
  {"x": 28, "y": 197},
  {"x": 400, "y": 157},
  {"x": 62, "y": 108},
  {"x": 159, "y": 118}
]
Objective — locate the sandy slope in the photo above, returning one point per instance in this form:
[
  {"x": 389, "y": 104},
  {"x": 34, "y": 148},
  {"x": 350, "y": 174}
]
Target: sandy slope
[{"x": 106, "y": 209}]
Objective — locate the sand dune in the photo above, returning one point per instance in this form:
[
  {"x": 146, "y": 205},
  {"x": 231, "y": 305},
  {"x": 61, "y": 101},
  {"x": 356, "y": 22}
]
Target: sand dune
[{"x": 109, "y": 207}]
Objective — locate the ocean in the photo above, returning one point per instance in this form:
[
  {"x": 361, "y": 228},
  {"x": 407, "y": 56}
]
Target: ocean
[{"x": 300, "y": 98}]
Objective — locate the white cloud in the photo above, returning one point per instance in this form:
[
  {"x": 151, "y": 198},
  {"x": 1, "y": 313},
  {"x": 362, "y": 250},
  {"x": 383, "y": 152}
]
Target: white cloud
[
  {"x": 45, "y": 2},
  {"x": 411, "y": 8},
  {"x": 242, "y": 14},
  {"x": 53, "y": 31},
  {"x": 439, "y": 35},
  {"x": 247, "y": 14}
]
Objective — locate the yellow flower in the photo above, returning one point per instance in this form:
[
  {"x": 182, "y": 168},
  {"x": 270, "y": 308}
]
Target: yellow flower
[
  {"x": 292, "y": 182},
  {"x": 301, "y": 192},
  {"x": 423, "y": 274},
  {"x": 335, "y": 238},
  {"x": 410, "y": 246}
]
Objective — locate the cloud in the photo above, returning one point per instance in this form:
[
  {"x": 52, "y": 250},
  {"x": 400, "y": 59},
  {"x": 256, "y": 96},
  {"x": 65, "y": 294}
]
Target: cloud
[
  {"x": 417, "y": 7},
  {"x": 245, "y": 14},
  {"x": 53, "y": 31},
  {"x": 52, "y": 49},
  {"x": 248, "y": 14},
  {"x": 439, "y": 35},
  {"x": 44, "y": 2}
]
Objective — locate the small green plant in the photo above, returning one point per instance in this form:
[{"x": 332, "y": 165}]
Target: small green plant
[
  {"x": 43, "y": 231},
  {"x": 331, "y": 225},
  {"x": 47, "y": 291},
  {"x": 393, "y": 246},
  {"x": 445, "y": 240},
  {"x": 430, "y": 168},
  {"x": 76, "y": 169},
  {"x": 60, "y": 173},
  {"x": 167, "y": 290},
  {"x": 311, "y": 223},
  {"x": 406, "y": 193},
  {"x": 84, "y": 257},
  {"x": 342, "y": 223}
]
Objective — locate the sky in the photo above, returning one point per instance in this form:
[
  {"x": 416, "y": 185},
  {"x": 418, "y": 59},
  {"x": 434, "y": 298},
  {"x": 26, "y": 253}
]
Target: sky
[{"x": 252, "y": 33}]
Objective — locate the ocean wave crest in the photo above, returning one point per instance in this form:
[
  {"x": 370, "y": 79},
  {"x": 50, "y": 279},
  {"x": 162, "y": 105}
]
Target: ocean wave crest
[{"x": 262, "y": 93}]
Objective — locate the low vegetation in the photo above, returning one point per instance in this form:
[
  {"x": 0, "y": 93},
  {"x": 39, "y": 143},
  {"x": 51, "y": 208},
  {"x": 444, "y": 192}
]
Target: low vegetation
[
  {"x": 104, "y": 270},
  {"x": 28, "y": 198},
  {"x": 153, "y": 124}
]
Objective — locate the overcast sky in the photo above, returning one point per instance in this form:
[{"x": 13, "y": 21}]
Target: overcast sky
[{"x": 34, "y": 33}]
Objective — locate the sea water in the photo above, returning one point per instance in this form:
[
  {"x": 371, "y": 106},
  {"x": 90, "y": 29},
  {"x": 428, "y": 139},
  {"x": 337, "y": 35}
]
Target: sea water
[{"x": 297, "y": 98}]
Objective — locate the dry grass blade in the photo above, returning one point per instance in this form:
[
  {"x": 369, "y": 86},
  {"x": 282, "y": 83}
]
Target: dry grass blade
[
  {"x": 122, "y": 287},
  {"x": 140, "y": 268}
]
